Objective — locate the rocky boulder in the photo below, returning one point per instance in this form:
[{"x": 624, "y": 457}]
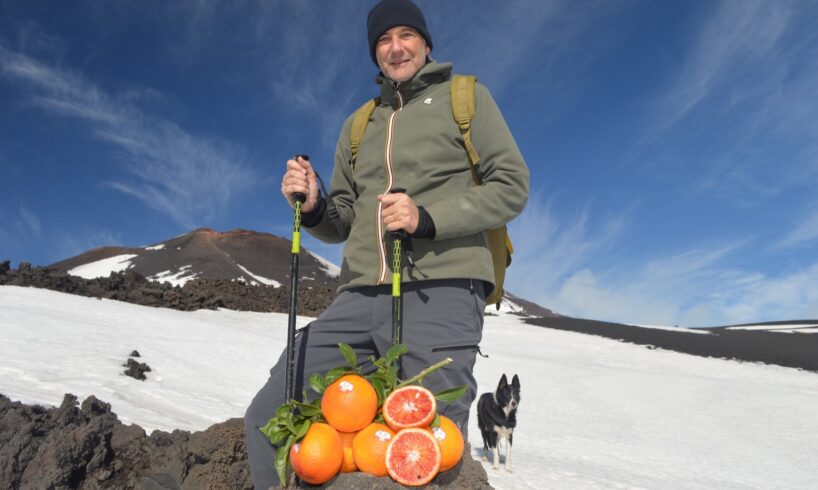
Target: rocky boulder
[{"x": 87, "y": 447}]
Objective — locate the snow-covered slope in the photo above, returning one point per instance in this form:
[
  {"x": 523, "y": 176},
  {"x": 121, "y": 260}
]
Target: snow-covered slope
[
  {"x": 595, "y": 413},
  {"x": 239, "y": 255}
]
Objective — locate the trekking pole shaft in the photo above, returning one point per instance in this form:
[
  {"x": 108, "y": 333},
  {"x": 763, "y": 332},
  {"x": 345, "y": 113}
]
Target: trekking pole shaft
[
  {"x": 397, "y": 295},
  {"x": 289, "y": 386},
  {"x": 397, "y": 306}
]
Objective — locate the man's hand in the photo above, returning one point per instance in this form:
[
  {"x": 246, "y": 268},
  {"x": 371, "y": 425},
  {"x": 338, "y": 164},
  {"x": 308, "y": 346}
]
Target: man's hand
[
  {"x": 399, "y": 212},
  {"x": 300, "y": 177}
]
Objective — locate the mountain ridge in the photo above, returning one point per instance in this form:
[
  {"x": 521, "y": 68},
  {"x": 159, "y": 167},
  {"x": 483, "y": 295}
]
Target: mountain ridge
[{"x": 239, "y": 255}]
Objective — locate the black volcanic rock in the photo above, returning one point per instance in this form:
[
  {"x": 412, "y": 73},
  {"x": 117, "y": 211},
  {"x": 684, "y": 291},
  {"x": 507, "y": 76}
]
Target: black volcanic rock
[
  {"x": 89, "y": 448},
  {"x": 197, "y": 294},
  {"x": 784, "y": 349},
  {"x": 136, "y": 369}
]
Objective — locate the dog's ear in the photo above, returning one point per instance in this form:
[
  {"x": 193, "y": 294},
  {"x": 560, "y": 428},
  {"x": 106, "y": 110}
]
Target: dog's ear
[
  {"x": 516, "y": 382},
  {"x": 503, "y": 382}
]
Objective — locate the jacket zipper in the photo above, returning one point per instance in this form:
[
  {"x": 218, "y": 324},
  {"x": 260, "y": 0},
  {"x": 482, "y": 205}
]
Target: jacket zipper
[{"x": 390, "y": 181}]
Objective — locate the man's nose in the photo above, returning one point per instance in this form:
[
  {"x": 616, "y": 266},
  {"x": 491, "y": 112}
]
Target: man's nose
[{"x": 395, "y": 46}]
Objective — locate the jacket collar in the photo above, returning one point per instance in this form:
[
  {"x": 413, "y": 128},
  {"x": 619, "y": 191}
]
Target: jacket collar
[{"x": 431, "y": 73}]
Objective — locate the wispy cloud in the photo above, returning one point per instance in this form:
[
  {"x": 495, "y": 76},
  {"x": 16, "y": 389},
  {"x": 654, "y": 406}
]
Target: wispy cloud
[
  {"x": 548, "y": 250},
  {"x": 575, "y": 266},
  {"x": 695, "y": 287},
  {"x": 69, "y": 243},
  {"x": 737, "y": 34},
  {"x": 493, "y": 46},
  {"x": 30, "y": 221},
  {"x": 313, "y": 54},
  {"x": 741, "y": 106},
  {"x": 187, "y": 177},
  {"x": 524, "y": 46},
  {"x": 805, "y": 233}
]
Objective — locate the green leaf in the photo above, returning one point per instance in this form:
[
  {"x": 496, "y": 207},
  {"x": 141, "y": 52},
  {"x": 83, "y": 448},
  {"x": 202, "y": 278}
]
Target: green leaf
[
  {"x": 349, "y": 355},
  {"x": 302, "y": 429},
  {"x": 335, "y": 373},
  {"x": 282, "y": 458},
  {"x": 451, "y": 394},
  {"x": 280, "y": 436},
  {"x": 290, "y": 424},
  {"x": 269, "y": 429},
  {"x": 307, "y": 410},
  {"x": 436, "y": 421},
  {"x": 317, "y": 383},
  {"x": 379, "y": 389},
  {"x": 274, "y": 431},
  {"x": 283, "y": 411},
  {"x": 395, "y": 352}
]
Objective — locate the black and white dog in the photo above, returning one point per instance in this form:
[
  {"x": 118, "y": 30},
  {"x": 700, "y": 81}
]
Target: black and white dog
[{"x": 497, "y": 417}]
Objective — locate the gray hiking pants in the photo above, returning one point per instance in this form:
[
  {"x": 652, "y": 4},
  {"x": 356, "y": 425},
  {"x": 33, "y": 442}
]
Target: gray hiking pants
[{"x": 441, "y": 318}]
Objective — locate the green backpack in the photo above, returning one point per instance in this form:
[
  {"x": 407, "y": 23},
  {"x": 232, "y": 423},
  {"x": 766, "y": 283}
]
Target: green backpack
[{"x": 499, "y": 242}]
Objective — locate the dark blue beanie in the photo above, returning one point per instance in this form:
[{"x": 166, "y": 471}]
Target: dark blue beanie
[{"x": 393, "y": 13}]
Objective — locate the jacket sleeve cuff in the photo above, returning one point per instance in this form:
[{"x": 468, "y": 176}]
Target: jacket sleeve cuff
[
  {"x": 314, "y": 217},
  {"x": 426, "y": 226}
]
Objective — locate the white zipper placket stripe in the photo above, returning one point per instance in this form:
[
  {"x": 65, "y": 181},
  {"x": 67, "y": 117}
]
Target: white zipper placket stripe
[{"x": 390, "y": 180}]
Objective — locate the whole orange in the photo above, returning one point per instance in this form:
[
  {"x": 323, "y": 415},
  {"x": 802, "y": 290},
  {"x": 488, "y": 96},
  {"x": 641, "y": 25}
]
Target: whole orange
[
  {"x": 451, "y": 443},
  {"x": 318, "y": 456},
  {"x": 350, "y": 403},
  {"x": 369, "y": 448},
  {"x": 349, "y": 461}
]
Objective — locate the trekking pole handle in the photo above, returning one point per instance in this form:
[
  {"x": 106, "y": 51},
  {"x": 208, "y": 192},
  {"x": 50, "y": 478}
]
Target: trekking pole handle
[
  {"x": 298, "y": 196},
  {"x": 398, "y": 234}
]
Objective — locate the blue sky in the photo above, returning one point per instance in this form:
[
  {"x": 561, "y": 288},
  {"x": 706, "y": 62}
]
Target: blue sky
[{"x": 673, "y": 146}]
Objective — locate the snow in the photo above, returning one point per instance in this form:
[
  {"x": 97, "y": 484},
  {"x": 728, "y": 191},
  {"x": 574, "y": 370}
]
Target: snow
[
  {"x": 156, "y": 247},
  {"x": 104, "y": 267},
  {"x": 786, "y": 328},
  {"x": 673, "y": 329},
  {"x": 506, "y": 306},
  {"x": 263, "y": 280},
  {"x": 330, "y": 268},
  {"x": 178, "y": 278},
  {"x": 595, "y": 413}
]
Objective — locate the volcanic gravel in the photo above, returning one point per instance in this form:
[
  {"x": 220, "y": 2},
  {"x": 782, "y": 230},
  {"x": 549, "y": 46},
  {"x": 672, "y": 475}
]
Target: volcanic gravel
[{"x": 194, "y": 295}]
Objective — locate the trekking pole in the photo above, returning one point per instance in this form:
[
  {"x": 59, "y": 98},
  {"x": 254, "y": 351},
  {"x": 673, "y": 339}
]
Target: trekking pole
[
  {"x": 398, "y": 237},
  {"x": 298, "y": 200}
]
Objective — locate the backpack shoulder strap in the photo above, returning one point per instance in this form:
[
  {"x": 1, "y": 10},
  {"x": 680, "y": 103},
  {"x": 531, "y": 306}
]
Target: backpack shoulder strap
[
  {"x": 497, "y": 239},
  {"x": 359, "y": 122},
  {"x": 463, "y": 111}
]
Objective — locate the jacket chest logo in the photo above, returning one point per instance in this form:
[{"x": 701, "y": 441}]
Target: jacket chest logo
[{"x": 428, "y": 101}]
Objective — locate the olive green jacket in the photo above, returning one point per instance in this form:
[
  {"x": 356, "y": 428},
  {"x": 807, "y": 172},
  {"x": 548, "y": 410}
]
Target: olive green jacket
[{"x": 413, "y": 142}]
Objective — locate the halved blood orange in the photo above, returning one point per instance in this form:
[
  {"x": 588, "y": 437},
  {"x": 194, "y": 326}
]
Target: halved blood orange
[
  {"x": 409, "y": 406},
  {"x": 413, "y": 457}
]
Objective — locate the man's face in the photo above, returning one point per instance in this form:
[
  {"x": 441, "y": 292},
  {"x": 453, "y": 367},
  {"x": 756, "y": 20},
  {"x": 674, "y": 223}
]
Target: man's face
[{"x": 401, "y": 52}]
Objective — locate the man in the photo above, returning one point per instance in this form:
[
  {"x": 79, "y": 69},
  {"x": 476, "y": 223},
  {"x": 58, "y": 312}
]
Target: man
[{"x": 411, "y": 142}]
